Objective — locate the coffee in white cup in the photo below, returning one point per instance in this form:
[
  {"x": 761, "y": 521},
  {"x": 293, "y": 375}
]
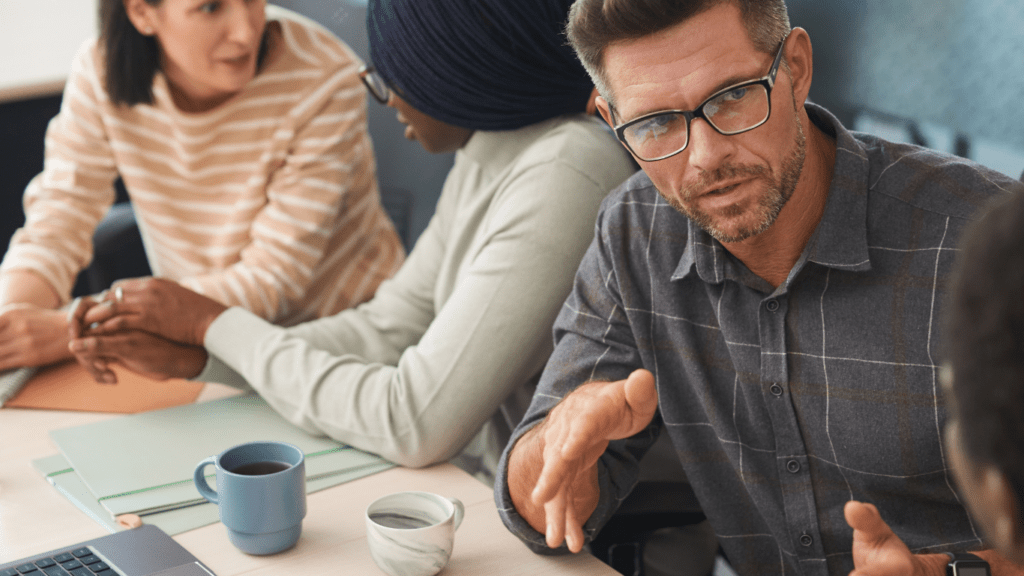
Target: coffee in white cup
[{"x": 412, "y": 533}]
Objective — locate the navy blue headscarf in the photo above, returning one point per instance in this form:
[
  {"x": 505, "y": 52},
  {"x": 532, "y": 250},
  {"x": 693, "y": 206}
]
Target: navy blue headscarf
[{"x": 479, "y": 64}]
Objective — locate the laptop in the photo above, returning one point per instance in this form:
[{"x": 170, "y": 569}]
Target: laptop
[{"x": 143, "y": 551}]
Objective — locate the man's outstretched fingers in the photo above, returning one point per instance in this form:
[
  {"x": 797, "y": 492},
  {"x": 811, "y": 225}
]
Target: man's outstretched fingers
[
  {"x": 642, "y": 397},
  {"x": 554, "y": 514},
  {"x": 865, "y": 519},
  {"x": 573, "y": 525}
]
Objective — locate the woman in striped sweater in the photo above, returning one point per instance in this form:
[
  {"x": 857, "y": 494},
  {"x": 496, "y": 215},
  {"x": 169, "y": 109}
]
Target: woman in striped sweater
[{"x": 239, "y": 130}]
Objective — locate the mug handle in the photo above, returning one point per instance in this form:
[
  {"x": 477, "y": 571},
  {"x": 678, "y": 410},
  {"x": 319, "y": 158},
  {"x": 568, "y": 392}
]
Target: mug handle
[
  {"x": 199, "y": 477},
  {"x": 460, "y": 511}
]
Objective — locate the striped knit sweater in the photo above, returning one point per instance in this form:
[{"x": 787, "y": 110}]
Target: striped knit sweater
[{"x": 268, "y": 202}]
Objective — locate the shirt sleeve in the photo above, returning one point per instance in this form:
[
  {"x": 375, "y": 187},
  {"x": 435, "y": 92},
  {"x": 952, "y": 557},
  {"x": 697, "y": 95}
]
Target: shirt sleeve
[
  {"x": 328, "y": 157},
  {"x": 593, "y": 342},
  {"x": 414, "y": 384},
  {"x": 65, "y": 202}
]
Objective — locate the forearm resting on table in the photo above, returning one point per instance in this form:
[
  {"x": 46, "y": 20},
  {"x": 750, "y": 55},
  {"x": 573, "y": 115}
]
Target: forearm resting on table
[
  {"x": 525, "y": 463},
  {"x": 28, "y": 287}
]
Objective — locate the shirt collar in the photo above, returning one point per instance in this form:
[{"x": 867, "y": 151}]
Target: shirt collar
[{"x": 839, "y": 241}]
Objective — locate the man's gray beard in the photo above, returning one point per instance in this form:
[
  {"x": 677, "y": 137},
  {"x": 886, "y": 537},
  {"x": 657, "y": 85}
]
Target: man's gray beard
[{"x": 778, "y": 192}]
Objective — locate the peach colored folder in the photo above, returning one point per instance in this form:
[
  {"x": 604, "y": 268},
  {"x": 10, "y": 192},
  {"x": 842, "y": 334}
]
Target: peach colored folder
[{"x": 68, "y": 386}]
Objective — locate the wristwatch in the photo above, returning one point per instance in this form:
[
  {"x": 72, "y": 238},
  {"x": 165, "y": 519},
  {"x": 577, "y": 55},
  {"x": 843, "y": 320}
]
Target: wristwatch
[{"x": 964, "y": 564}]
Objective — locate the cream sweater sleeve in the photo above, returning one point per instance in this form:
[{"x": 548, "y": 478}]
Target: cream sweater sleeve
[{"x": 365, "y": 377}]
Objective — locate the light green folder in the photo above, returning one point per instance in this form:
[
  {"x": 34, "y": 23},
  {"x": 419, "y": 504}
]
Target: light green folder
[
  {"x": 175, "y": 520},
  {"x": 143, "y": 463},
  {"x": 323, "y": 465}
]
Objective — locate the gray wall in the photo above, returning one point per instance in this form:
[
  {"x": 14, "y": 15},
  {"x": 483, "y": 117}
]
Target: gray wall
[
  {"x": 953, "y": 63},
  {"x": 956, "y": 65},
  {"x": 400, "y": 163}
]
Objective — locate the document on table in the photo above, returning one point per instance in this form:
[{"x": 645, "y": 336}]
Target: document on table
[
  {"x": 143, "y": 463},
  {"x": 68, "y": 386},
  {"x": 175, "y": 519}
]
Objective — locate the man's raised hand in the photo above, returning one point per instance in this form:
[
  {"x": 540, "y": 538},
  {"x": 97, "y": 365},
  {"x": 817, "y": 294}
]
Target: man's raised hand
[{"x": 553, "y": 468}]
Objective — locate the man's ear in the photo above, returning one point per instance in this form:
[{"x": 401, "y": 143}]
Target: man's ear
[
  {"x": 141, "y": 15},
  {"x": 799, "y": 56},
  {"x": 604, "y": 109},
  {"x": 1008, "y": 536}
]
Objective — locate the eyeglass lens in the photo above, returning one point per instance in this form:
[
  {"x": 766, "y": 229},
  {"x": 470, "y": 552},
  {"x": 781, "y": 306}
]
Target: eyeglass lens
[
  {"x": 377, "y": 86},
  {"x": 736, "y": 110}
]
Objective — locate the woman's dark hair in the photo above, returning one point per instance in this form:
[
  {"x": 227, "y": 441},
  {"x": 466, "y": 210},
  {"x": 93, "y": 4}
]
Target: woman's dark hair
[
  {"x": 479, "y": 64},
  {"x": 984, "y": 339},
  {"x": 131, "y": 58}
]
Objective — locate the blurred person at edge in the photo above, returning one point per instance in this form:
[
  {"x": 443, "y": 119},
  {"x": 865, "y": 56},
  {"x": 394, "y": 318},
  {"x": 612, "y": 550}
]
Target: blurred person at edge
[
  {"x": 983, "y": 379},
  {"x": 239, "y": 131}
]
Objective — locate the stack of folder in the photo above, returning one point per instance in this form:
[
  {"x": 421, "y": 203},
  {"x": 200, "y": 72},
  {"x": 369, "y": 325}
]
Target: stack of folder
[{"x": 143, "y": 464}]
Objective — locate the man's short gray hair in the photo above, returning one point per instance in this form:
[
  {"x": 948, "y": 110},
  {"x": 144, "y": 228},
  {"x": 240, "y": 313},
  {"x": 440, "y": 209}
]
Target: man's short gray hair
[{"x": 595, "y": 24}]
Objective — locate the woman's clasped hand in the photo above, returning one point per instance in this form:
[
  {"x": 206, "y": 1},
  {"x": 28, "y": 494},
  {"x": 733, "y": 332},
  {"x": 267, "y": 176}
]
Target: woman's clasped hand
[{"x": 150, "y": 325}]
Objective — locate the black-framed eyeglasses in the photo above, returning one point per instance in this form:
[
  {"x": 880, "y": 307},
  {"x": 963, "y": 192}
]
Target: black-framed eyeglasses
[
  {"x": 730, "y": 111},
  {"x": 375, "y": 84}
]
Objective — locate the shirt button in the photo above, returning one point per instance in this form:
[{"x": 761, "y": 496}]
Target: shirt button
[
  {"x": 772, "y": 305},
  {"x": 793, "y": 466},
  {"x": 806, "y": 540},
  {"x": 776, "y": 389}
]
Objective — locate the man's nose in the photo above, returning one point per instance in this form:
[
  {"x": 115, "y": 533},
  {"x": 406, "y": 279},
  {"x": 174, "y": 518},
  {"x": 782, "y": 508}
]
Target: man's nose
[{"x": 707, "y": 149}]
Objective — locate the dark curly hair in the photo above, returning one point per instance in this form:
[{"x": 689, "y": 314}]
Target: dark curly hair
[{"x": 984, "y": 339}]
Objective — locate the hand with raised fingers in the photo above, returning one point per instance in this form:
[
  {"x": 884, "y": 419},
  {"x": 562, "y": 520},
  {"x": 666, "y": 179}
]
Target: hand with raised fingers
[
  {"x": 140, "y": 352},
  {"x": 155, "y": 305},
  {"x": 878, "y": 551},
  {"x": 553, "y": 468}
]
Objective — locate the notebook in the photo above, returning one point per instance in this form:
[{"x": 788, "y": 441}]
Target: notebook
[
  {"x": 11, "y": 382},
  {"x": 143, "y": 551}
]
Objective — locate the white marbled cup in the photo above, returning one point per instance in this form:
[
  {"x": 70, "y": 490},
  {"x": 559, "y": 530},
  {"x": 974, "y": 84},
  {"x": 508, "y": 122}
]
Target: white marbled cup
[{"x": 411, "y": 533}]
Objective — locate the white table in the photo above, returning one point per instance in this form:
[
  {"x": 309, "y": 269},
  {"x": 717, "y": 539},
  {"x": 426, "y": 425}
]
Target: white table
[
  {"x": 35, "y": 518},
  {"x": 38, "y": 40}
]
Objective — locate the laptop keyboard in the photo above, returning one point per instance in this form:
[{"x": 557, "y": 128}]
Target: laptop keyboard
[{"x": 78, "y": 562}]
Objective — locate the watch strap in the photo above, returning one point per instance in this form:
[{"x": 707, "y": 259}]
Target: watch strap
[{"x": 962, "y": 557}]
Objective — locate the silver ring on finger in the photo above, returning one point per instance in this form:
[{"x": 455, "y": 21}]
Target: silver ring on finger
[{"x": 119, "y": 294}]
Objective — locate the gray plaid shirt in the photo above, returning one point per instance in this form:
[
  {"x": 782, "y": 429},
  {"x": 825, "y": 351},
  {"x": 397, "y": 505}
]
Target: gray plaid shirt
[{"x": 783, "y": 403}]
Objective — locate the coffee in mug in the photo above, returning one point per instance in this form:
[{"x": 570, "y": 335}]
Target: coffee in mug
[
  {"x": 412, "y": 533},
  {"x": 261, "y": 494}
]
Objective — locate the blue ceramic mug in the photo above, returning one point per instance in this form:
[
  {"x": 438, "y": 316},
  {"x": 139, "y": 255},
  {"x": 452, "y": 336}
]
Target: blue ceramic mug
[{"x": 261, "y": 494}]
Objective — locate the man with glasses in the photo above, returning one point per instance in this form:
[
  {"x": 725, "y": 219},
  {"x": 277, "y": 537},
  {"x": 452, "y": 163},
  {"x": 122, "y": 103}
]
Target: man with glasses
[{"x": 763, "y": 291}]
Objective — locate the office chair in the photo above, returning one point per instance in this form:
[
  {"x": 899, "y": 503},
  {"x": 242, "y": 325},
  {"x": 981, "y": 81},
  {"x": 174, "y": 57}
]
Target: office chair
[
  {"x": 651, "y": 505},
  {"x": 117, "y": 252}
]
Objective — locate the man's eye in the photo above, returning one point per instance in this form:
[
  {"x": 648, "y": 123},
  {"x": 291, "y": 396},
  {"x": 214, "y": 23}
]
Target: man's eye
[
  {"x": 653, "y": 128},
  {"x": 734, "y": 95},
  {"x": 209, "y": 7}
]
